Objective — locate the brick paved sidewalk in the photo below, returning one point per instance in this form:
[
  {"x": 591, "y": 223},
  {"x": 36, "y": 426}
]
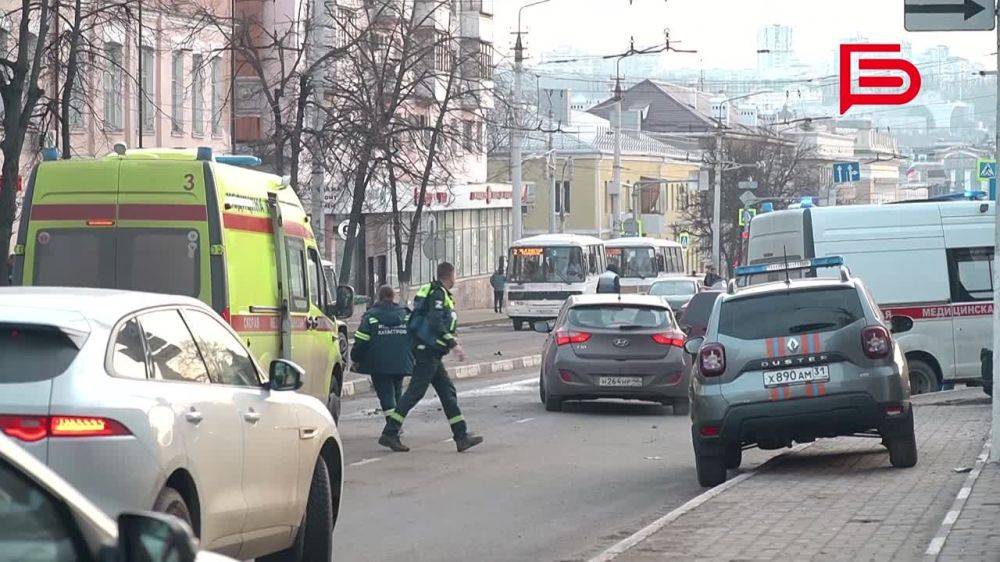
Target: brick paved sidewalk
[{"x": 840, "y": 499}]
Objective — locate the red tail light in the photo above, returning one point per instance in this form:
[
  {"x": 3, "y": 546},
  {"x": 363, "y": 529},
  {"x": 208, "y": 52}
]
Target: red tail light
[
  {"x": 564, "y": 336},
  {"x": 876, "y": 343},
  {"x": 709, "y": 431},
  {"x": 675, "y": 339},
  {"x": 712, "y": 359},
  {"x": 36, "y": 428}
]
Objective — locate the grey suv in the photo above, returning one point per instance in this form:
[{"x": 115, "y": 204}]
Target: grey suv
[{"x": 794, "y": 361}]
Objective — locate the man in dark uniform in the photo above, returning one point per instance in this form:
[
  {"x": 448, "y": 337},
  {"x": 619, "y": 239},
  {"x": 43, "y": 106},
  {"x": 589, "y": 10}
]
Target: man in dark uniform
[
  {"x": 382, "y": 348},
  {"x": 432, "y": 329}
]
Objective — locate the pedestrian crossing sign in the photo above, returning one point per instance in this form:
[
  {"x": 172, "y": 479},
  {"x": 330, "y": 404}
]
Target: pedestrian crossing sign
[
  {"x": 987, "y": 169},
  {"x": 746, "y": 215}
]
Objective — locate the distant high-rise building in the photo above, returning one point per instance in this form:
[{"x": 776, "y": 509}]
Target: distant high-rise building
[{"x": 774, "y": 47}]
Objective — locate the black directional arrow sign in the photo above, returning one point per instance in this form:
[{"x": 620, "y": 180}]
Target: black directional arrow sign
[{"x": 949, "y": 15}]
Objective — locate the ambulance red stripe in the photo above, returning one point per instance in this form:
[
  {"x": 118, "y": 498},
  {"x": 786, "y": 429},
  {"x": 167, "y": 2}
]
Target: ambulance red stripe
[
  {"x": 157, "y": 212},
  {"x": 77, "y": 212},
  {"x": 262, "y": 225},
  {"x": 937, "y": 311}
]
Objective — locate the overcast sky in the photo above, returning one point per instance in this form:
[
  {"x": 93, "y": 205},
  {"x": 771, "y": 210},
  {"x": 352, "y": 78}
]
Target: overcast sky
[{"x": 724, "y": 32}]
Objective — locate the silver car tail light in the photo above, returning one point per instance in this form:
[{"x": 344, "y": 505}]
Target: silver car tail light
[
  {"x": 36, "y": 428},
  {"x": 712, "y": 359},
  {"x": 876, "y": 342}
]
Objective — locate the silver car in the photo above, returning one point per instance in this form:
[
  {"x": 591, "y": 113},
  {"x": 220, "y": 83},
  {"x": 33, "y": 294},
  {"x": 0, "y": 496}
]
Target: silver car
[
  {"x": 44, "y": 518},
  {"x": 151, "y": 402},
  {"x": 676, "y": 292},
  {"x": 614, "y": 346},
  {"x": 794, "y": 361}
]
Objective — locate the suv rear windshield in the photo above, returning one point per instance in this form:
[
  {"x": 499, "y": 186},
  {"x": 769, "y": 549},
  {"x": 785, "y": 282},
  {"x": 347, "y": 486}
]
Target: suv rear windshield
[
  {"x": 160, "y": 260},
  {"x": 33, "y": 353},
  {"x": 621, "y": 317},
  {"x": 790, "y": 313}
]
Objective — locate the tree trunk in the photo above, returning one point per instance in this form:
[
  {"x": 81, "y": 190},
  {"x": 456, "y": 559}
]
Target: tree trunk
[
  {"x": 72, "y": 69},
  {"x": 357, "y": 202}
]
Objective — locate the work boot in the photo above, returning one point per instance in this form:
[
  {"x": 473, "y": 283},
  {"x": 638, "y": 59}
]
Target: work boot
[
  {"x": 467, "y": 441},
  {"x": 393, "y": 442}
]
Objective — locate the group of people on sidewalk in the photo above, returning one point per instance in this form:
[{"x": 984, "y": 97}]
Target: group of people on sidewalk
[{"x": 393, "y": 342}]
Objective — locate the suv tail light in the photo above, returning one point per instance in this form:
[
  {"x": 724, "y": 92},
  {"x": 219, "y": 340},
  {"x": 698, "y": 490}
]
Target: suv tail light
[
  {"x": 564, "y": 336},
  {"x": 875, "y": 342},
  {"x": 673, "y": 338},
  {"x": 36, "y": 428},
  {"x": 712, "y": 359}
]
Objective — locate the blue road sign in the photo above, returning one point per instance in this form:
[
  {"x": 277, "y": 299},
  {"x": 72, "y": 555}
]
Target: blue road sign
[
  {"x": 987, "y": 169},
  {"x": 844, "y": 172}
]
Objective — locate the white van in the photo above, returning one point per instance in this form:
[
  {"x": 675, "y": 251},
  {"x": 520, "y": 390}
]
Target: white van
[
  {"x": 641, "y": 261},
  {"x": 543, "y": 271},
  {"x": 931, "y": 261}
]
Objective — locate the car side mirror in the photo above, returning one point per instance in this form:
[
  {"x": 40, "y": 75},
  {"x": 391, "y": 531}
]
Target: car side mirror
[
  {"x": 343, "y": 307},
  {"x": 542, "y": 326},
  {"x": 155, "y": 537},
  {"x": 285, "y": 375},
  {"x": 693, "y": 345},
  {"x": 900, "y": 324}
]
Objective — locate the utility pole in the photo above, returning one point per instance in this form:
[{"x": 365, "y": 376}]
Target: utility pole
[
  {"x": 550, "y": 172},
  {"x": 616, "y": 174},
  {"x": 568, "y": 162},
  {"x": 515, "y": 137},
  {"x": 717, "y": 201},
  {"x": 995, "y": 425}
]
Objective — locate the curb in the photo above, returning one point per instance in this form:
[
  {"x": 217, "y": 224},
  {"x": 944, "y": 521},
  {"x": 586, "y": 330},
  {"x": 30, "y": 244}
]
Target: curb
[
  {"x": 941, "y": 537},
  {"x": 364, "y": 384}
]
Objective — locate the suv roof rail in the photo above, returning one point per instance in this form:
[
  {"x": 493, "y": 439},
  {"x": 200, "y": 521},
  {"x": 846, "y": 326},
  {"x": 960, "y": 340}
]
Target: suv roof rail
[{"x": 845, "y": 273}]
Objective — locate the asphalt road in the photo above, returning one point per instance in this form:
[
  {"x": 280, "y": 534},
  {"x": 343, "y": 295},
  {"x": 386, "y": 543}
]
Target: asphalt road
[{"x": 543, "y": 486}]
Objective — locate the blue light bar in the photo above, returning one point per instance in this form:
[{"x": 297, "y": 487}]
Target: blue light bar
[
  {"x": 815, "y": 263},
  {"x": 244, "y": 160}
]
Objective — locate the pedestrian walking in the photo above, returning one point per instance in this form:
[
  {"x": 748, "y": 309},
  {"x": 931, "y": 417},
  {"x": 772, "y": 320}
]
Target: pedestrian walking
[
  {"x": 432, "y": 328},
  {"x": 498, "y": 281},
  {"x": 381, "y": 348},
  {"x": 711, "y": 277}
]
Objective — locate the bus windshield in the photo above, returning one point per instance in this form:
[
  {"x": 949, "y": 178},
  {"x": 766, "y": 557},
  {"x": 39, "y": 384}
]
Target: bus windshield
[
  {"x": 551, "y": 264},
  {"x": 637, "y": 261}
]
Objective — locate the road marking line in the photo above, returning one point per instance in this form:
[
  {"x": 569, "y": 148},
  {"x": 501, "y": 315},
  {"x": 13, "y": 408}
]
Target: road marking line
[
  {"x": 365, "y": 461},
  {"x": 937, "y": 543},
  {"x": 525, "y": 420},
  {"x": 695, "y": 502}
]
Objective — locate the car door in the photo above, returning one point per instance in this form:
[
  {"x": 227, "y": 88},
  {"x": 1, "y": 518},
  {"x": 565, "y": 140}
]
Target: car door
[
  {"x": 270, "y": 433},
  {"x": 210, "y": 426},
  {"x": 971, "y": 273},
  {"x": 322, "y": 331},
  {"x": 304, "y": 350}
]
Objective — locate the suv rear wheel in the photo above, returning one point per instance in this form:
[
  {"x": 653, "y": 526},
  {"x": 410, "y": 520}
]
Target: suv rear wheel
[
  {"x": 171, "y": 502},
  {"x": 518, "y": 324},
  {"x": 711, "y": 469},
  {"x": 902, "y": 444},
  {"x": 734, "y": 456},
  {"x": 552, "y": 403}
]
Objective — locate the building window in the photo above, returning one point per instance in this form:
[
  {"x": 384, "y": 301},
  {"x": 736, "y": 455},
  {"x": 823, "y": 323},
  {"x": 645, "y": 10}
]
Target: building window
[
  {"x": 218, "y": 91},
  {"x": 344, "y": 26},
  {"x": 113, "y": 87},
  {"x": 177, "y": 93},
  {"x": 78, "y": 101},
  {"x": 442, "y": 54},
  {"x": 197, "y": 95},
  {"x": 562, "y": 197},
  {"x": 486, "y": 61},
  {"x": 148, "y": 92},
  {"x": 468, "y": 132}
]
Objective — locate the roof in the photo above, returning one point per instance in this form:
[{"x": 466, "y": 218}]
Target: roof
[
  {"x": 66, "y": 306},
  {"x": 630, "y": 241},
  {"x": 786, "y": 286},
  {"x": 615, "y": 298},
  {"x": 671, "y": 108},
  {"x": 557, "y": 239}
]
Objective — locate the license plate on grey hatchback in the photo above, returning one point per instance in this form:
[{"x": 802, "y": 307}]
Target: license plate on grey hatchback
[
  {"x": 797, "y": 375},
  {"x": 620, "y": 381}
]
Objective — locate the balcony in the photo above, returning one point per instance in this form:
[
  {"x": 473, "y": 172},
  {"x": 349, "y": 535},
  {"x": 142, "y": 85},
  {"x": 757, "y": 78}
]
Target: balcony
[{"x": 484, "y": 7}]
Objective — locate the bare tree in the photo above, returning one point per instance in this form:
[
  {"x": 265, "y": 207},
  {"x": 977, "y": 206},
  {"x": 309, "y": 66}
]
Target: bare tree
[
  {"x": 20, "y": 92},
  {"x": 782, "y": 168}
]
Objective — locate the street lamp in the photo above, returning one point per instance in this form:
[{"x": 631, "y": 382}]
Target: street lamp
[
  {"x": 717, "y": 195},
  {"x": 515, "y": 133}
]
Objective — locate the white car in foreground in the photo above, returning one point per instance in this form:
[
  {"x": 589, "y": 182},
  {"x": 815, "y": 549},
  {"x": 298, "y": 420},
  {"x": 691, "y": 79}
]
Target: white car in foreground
[
  {"x": 151, "y": 402},
  {"x": 45, "y": 519}
]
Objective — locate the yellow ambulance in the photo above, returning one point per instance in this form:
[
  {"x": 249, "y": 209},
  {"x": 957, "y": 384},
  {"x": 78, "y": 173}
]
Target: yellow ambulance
[{"x": 182, "y": 222}]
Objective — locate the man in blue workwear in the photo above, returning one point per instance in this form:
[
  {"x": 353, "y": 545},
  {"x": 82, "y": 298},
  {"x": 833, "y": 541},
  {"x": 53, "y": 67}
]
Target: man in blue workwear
[
  {"x": 432, "y": 327},
  {"x": 382, "y": 347}
]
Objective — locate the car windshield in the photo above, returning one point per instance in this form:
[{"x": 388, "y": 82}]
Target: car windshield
[
  {"x": 549, "y": 264},
  {"x": 669, "y": 288},
  {"x": 622, "y": 317},
  {"x": 790, "y": 313},
  {"x": 633, "y": 262}
]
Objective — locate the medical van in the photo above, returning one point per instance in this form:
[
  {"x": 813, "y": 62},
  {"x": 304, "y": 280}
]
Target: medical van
[
  {"x": 930, "y": 261},
  {"x": 180, "y": 222}
]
